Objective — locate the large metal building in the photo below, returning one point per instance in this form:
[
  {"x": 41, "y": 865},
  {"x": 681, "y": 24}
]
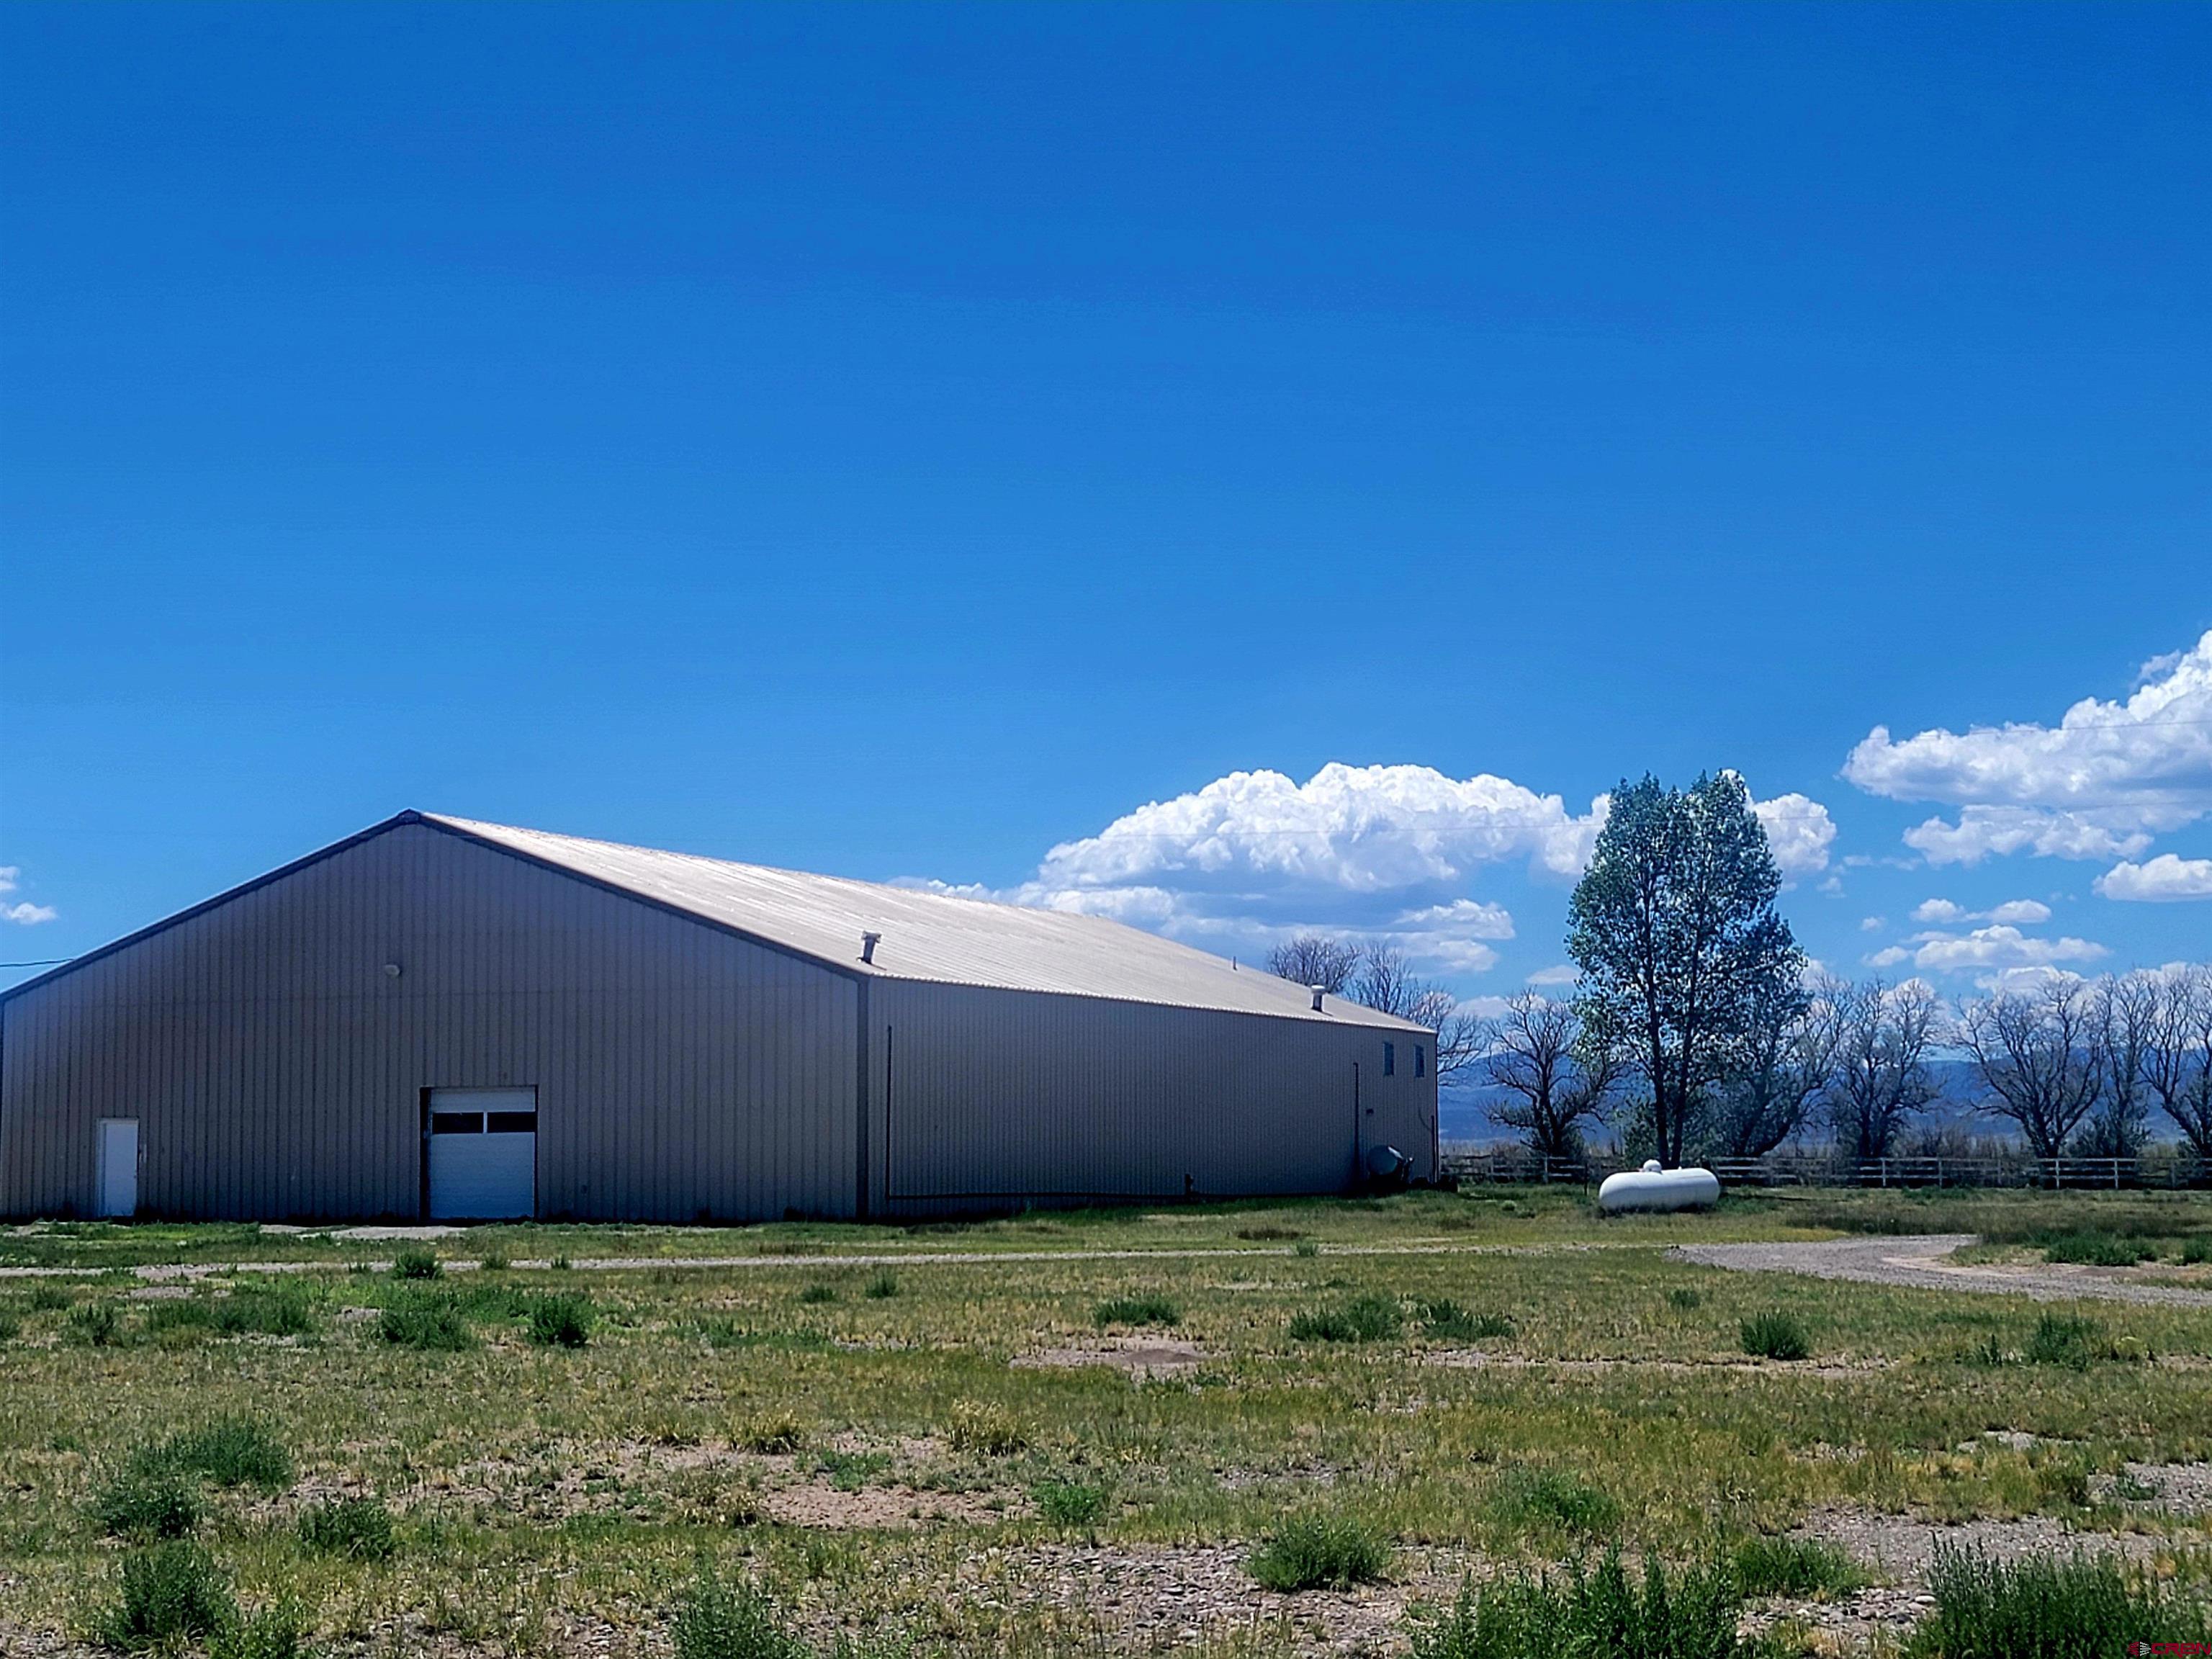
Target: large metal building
[{"x": 438, "y": 1018}]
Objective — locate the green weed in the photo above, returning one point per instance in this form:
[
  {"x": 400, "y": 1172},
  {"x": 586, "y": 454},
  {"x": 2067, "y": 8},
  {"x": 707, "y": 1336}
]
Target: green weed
[
  {"x": 1320, "y": 1550},
  {"x": 815, "y": 1294},
  {"x": 1803, "y": 1567},
  {"x": 1069, "y": 1502},
  {"x": 1137, "y": 1310},
  {"x": 562, "y": 1322},
  {"x": 1535, "y": 1500},
  {"x": 360, "y": 1527},
  {"x": 95, "y": 1324},
  {"x": 427, "y": 1319},
  {"x": 2068, "y": 1339},
  {"x": 1443, "y": 1317},
  {"x": 2047, "y": 1608},
  {"x": 884, "y": 1287},
  {"x": 1775, "y": 1335},
  {"x": 985, "y": 1431},
  {"x": 1583, "y": 1615},
  {"x": 170, "y": 1592},
  {"x": 143, "y": 1502},
  {"x": 1363, "y": 1319},
  {"x": 417, "y": 1263},
  {"x": 230, "y": 1451}
]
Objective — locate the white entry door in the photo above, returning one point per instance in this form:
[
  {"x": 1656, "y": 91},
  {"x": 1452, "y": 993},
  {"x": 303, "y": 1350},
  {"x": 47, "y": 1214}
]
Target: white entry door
[
  {"x": 119, "y": 1166},
  {"x": 483, "y": 1153}
]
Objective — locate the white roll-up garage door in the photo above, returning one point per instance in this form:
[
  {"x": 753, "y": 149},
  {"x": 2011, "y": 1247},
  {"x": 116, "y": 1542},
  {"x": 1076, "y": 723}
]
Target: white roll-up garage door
[{"x": 483, "y": 1153}]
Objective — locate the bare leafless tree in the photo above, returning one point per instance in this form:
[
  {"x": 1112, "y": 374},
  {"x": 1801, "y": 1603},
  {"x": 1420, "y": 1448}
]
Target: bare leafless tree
[
  {"x": 1786, "y": 1061},
  {"x": 1313, "y": 959},
  {"x": 2040, "y": 1057},
  {"x": 2125, "y": 1009},
  {"x": 1882, "y": 1079},
  {"x": 1560, "y": 1081},
  {"x": 1386, "y": 984},
  {"x": 2179, "y": 1066}
]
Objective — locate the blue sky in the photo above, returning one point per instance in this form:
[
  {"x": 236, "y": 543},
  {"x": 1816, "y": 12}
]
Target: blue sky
[{"x": 903, "y": 442}]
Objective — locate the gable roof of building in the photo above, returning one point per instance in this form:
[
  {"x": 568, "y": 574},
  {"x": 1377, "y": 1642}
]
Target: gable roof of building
[
  {"x": 936, "y": 938},
  {"x": 933, "y": 937}
]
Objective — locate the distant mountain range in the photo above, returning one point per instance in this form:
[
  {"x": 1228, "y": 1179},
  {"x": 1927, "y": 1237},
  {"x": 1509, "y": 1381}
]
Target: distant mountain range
[{"x": 1466, "y": 1110}]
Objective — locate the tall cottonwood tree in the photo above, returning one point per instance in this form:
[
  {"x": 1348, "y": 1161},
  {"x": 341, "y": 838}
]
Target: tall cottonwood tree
[
  {"x": 1882, "y": 1079},
  {"x": 2040, "y": 1056},
  {"x": 1558, "y": 1081},
  {"x": 1674, "y": 930},
  {"x": 1784, "y": 1063},
  {"x": 2179, "y": 1064},
  {"x": 1313, "y": 959}
]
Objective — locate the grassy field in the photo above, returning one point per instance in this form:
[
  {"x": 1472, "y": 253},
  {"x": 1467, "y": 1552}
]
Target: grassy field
[{"x": 1100, "y": 1438}]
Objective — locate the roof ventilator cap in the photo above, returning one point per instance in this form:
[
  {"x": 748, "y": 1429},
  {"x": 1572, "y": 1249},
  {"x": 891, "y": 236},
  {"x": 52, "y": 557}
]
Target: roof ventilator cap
[
  {"x": 868, "y": 943},
  {"x": 1319, "y": 992}
]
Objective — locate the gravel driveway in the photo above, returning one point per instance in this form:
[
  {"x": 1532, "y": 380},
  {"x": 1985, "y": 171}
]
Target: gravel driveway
[{"x": 1922, "y": 1261}]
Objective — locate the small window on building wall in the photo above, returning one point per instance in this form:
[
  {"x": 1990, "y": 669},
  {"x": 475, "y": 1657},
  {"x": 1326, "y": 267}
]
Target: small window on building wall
[
  {"x": 1420, "y": 1060},
  {"x": 1389, "y": 1059}
]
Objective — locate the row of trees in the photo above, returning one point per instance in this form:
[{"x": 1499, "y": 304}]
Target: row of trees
[{"x": 1697, "y": 1027}]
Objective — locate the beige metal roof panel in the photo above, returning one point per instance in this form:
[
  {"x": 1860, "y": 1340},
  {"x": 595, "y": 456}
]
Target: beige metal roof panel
[{"x": 929, "y": 937}]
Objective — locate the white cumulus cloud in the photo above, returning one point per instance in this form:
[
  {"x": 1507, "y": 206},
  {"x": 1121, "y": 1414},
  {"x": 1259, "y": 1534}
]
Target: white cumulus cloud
[
  {"x": 2166, "y": 877},
  {"x": 1799, "y": 831},
  {"x": 2099, "y": 784},
  {"x": 22, "y": 912},
  {"x": 1995, "y": 947},
  {"x": 1942, "y": 913}
]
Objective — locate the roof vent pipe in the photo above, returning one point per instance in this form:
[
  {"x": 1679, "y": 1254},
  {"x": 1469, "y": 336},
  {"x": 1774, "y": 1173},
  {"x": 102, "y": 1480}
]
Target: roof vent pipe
[
  {"x": 868, "y": 943},
  {"x": 1318, "y": 991}
]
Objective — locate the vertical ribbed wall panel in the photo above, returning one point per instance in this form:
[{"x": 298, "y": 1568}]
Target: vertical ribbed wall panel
[
  {"x": 982, "y": 1096},
  {"x": 277, "y": 1070}
]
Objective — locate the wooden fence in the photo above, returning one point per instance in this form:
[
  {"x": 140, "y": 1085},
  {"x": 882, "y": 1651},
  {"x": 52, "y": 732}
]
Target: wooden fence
[{"x": 2164, "y": 1170}]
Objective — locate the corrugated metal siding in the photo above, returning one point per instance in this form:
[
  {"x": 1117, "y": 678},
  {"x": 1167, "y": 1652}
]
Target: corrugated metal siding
[
  {"x": 982, "y": 1095},
  {"x": 276, "y": 1069}
]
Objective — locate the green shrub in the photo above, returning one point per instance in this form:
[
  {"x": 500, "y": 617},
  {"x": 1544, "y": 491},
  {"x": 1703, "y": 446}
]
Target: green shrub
[
  {"x": 2196, "y": 1252},
  {"x": 884, "y": 1287},
  {"x": 10, "y": 1327},
  {"x": 562, "y": 1322},
  {"x": 263, "y": 1312},
  {"x": 495, "y": 1262},
  {"x": 1803, "y": 1567},
  {"x": 987, "y": 1430},
  {"x": 815, "y": 1294},
  {"x": 1137, "y": 1310},
  {"x": 1532, "y": 1498},
  {"x": 1683, "y": 1299},
  {"x": 417, "y": 1263},
  {"x": 2068, "y": 1339},
  {"x": 775, "y": 1435},
  {"x": 426, "y": 1319},
  {"x": 720, "y": 1620},
  {"x": 2095, "y": 1249},
  {"x": 850, "y": 1471},
  {"x": 1446, "y": 1318},
  {"x": 1305, "y": 1247},
  {"x": 231, "y": 1451},
  {"x": 1363, "y": 1319},
  {"x": 560, "y": 1264},
  {"x": 357, "y": 1527},
  {"x": 95, "y": 1324},
  {"x": 2046, "y": 1607},
  {"x": 49, "y": 1299},
  {"x": 278, "y": 1630},
  {"x": 1774, "y": 1336},
  {"x": 170, "y": 1592},
  {"x": 143, "y": 1502},
  {"x": 1320, "y": 1550},
  {"x": 1583, "y": 1615},
  {"x": 1069, "y": 1502}
]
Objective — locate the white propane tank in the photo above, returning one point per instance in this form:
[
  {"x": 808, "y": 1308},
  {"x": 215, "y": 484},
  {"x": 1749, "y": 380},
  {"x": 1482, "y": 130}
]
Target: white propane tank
[{"x": 1654, "y": 1188}]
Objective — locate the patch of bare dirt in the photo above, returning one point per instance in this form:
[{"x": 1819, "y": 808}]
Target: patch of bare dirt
[
  {"x": 1924, "y": 1261},
  {"x": 2178, "y": 1488},
  {"x": 1138, "y": 1357},
  {"x": 1479, "y": 1359},
  {"x": 832, "y": 1508}
]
